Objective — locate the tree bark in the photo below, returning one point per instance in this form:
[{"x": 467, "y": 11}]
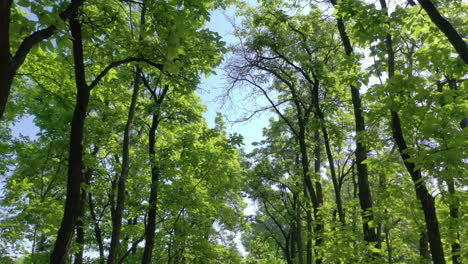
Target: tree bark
[
  {"x": 449, "y": 31},
  {"x": 80, "y": 232},
  {"x": 426, "y": 199},
  {"x": 97, "y": 229},
  {"x": 423, "y": 247},
  {"x": 365, "y": 197},
  {"x": 75, "y": 161},
  {"x": 423, "y": 195},
  {"x": 298, "y": 220},
  {"x": 122, "y": 182},
  {"x": 155, "y": 176},
  {"x": 309, "y": 237},
  {"x": 6, "y": 60},
  {"x": 454, "y": 212},
  {"x": 331, "y": 162}
]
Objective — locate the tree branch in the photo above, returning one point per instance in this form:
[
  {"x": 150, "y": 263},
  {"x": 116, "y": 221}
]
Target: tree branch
[
  {"x": 120, "y": 62},
  {"x": 40, "y": 35}
]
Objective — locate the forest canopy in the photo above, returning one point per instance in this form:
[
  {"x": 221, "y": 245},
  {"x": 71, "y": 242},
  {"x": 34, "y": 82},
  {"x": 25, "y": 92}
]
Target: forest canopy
[{"x": 364, "y": 158}]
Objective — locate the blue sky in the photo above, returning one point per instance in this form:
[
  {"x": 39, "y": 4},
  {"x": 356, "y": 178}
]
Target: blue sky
[{"x": 240, "y": 104}]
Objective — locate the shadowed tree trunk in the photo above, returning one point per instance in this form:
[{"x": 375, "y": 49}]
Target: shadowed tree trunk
[
  {"x": 449, "y": 31},
  {"x": 426, "y": 199},
  {"x": 155, "y": 176},
  {"x": 97, "y": 228},
  {"x": 80, "y": 232},
  {"x": 122, "y": 182},
  {"x": 423, "y": 195},
  {"x": 365, "y": 198},
  {"x": 454, "y": 209},
  {"x": 75, "y": 160}
]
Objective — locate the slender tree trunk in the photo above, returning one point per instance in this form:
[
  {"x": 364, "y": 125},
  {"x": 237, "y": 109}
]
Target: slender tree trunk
[
  {"x": 426, "y": 199},
  {"x": 309, "y": 236},
  {"x": 365, "y": 198},
  {"x": 119, "y": 208},
  {"x": 292, "y": 241},
  {"x": 328, "y": 151},
  {"x": 319, "y": 227},
  {"x": 75, "y": 160},
  {"x": 97, "y": 228},
  {"x": 155, "y": 175},
  {"x": 6, "y": 60},
  {"x": 317, "y": 200},
  {"x": 80, "y": 240},
  {"x": 300, "y": 246},
  {"x": 423, "y": 195},
  {"x": 454, "y": 209},
  {"x": 449, "y": 31},
  {"x": 80, "y": 232},
  {"x": 389, "y": 247}
]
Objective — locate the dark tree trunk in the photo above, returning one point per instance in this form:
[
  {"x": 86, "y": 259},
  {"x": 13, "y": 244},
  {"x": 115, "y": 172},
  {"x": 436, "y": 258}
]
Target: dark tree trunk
[
  {"x": 80, "y": 240},
  {"x": 454, "y": 209},
  {"x": 80, "y": 232},
  {"x": 75, "y": 161},
  {"x": 331, "y": 162},
  {"x": 424, "y": 252},
  {"x": 449, "y": 31},
  {"x": 365, "y": 198},
  {"x": 319, "y": 227},
  {"x": 122, "y": 182},
  {"x": 97, "y": 228},
  {"x": 10, "y": 64},
  {"x": 6, "y": 60},
  {"x": 427, "y": 201},
  {"x": 298, "y": 224},
  {"x": 316, "y": 199},
  {"x": 423, "y": 195},
  {"x": 153, "y": 200},
  {"x": 309, "y": 237},
  {"x": 155, "y": 175}
]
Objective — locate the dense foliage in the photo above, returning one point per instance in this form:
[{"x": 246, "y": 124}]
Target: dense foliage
[{"x": 364, "y": 160}]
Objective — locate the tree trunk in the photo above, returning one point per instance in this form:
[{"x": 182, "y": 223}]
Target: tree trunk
[
  {"x": 449, "y": 31},
  {"x": 75, "y": 161},
  {"x": 7, "y": 66},
  {"x": 331, "y": 162},
  {"x": 97, "y": 229},
  {"x": 365, "y": 198},
  {"x": 153, "y": 200},
  {"x": 155, "y": 176},
  {"x": 297, "y": 217},
  {"x": 423, "y": 195},
  {"x": 309, "y": 236},
  {"x": 80, "y": 232},
  {"x": 427, "y": 201},
  {"x": 119, "y": 208},
  {"x": 316, "y": 200},
  {"x": 319, "y": 227},
  {"x": 454, "y": 208},
  {"x": 423, "y": 247}
]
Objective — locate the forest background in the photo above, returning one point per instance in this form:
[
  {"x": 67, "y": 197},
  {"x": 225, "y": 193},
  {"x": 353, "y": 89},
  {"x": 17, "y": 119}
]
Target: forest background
[{"x": 362, "y": 106}]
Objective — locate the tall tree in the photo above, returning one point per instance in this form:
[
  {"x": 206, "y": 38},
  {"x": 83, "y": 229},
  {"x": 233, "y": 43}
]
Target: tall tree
[{"x": 365, "y": 196}]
